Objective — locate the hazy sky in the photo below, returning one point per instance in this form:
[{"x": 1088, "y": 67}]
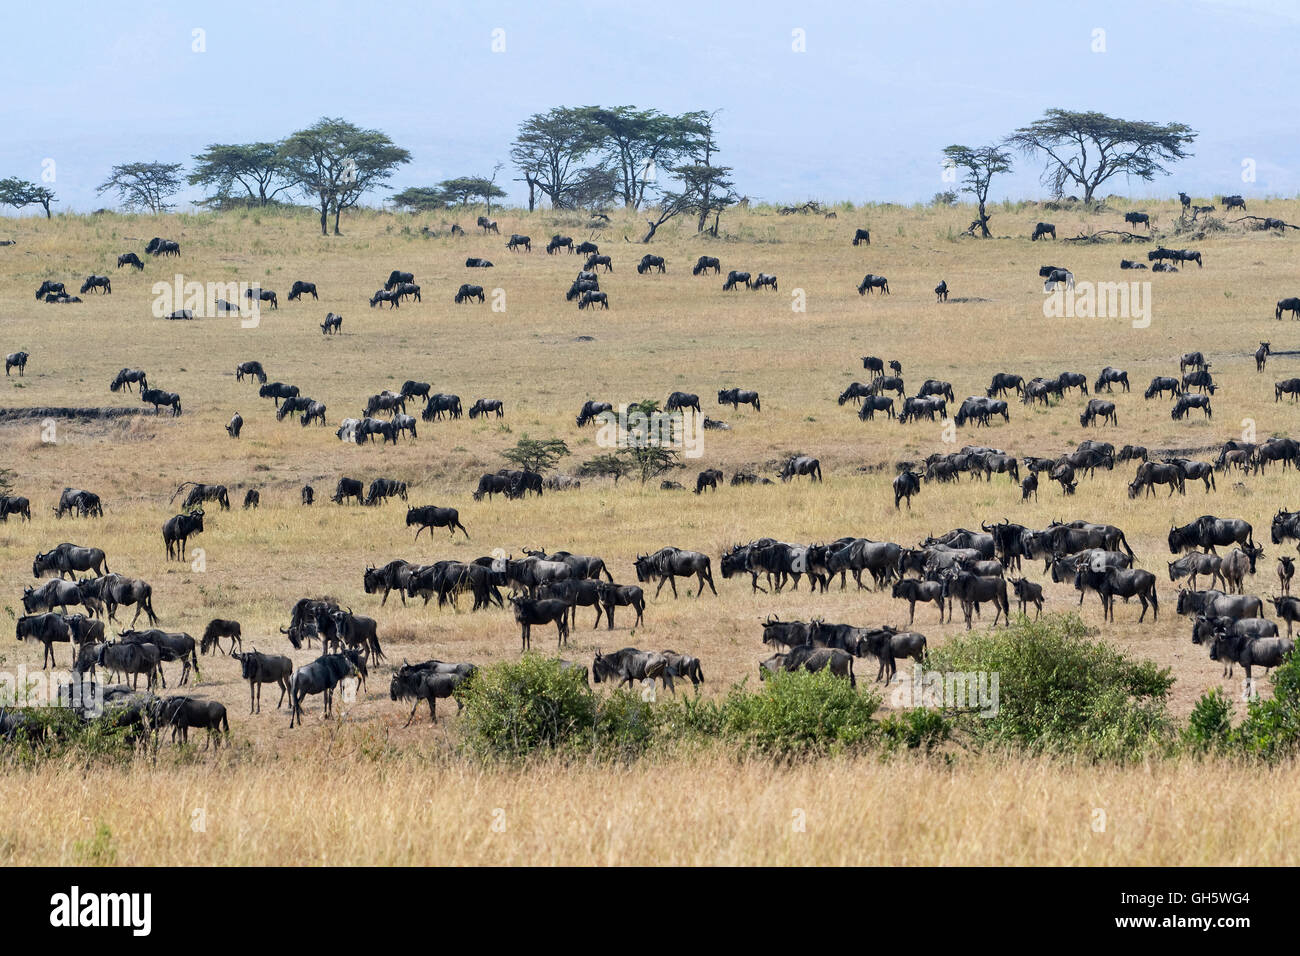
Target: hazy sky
[{"x": 862, "y": 114}]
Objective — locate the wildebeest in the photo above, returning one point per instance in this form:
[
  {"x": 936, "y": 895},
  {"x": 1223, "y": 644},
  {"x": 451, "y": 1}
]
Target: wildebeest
[
  {"x": 590, "y": 410},
  {"x": 1217, "y": 604},
  {"x": 16, "y": 360},
  {"x": 735, "y": 278},
  {"x": 258, "y": 294},
  {"x": 735, "y": 397},
  {"x": 593, "y": 299},
  {"x": 321, "y": 676},
  {"x": 68, "y": 559},
  {"x": 251, "y": 369},
  {"x": 912, "y": 590},
  {"x": 333, "y": 323},
  {"x": 517, "y": 240},
  {"x": 802, "y": 465},
  {"x": 171, "y": 646},
  {"x": 621, "y": 595},
  {"x": 906, "y": 484},
  {"x": 1285, "y": 572},
  {"x": 765, "y": 280},
  {"x": 559, "y": 242},
  {"x": 881, "y": 403},
  {"x": 1161, "y": 384},
  {"x": 1003, "y": 382},
  {"x": 49, "y": 629},
  {"x": 529, "y": 611},
  {"x": 467, "y": 292},
  {"x": 474, "y": 262},
  {"x": 162, "y": 247},
  {"x": 871, "y": 282},
  {"x": 971, "y": 590},
  {"x": 157, "y": 397},
  {"x": 430, "y": 516},
  {"x": 862, "y": 237},
  {"x": 1096, "y": 409},
  {"x": 126, "y": 377},
  {"x": 85, "y": 504},
  {"x": 1290, "y": 304},
  {"x": 393, "y": 299},
  {"x": 1193, "y": 565},
  {"x": 1110, "y": 583},
  {"x": 1177, "y": 255},
  {"x": 813, "y": 659},
  {"x": 1233, "y": 202},
  {"x": 668, "y": 564},
  {"x": 1187, "y": 402},
  {"x": 15, "y": 505},
  {"x": 199, "y": 493},
  {"x": 1261, "y": 356},
  {"x": 1130, "y": 264},
  {"x": 487, "y": 225},
  {"x": 1290, "y": 386},
  {"x": 299, "y": 287},
  {"x": 1027, "y": 592},
  {"x": 1236, "y": 564},
  {"x": 1265, "y": 652},
  {"x": 407, "y": 289},
  {"x": 941, "y": 291},
  {"x": 428, "y": 681},
  {"x": 1043, "y": 229},
  {"x": 702, "y": 264},
  {"x": 48, "y": 288},
  {"x": 709, "y": 478},
  {"x": 1029, "y": 486},
  {"x": 116, "y": 591},
  {"x": 95, "y": 283},
  {"x": 1109, "y": 376},
  {"x": 259, "y": 669},
  {"x": 649, "y": 262},
  {"x": 130, "y": 659},
  {"x": 176, "y": 532},
  {"x": 630, "y": 664},
  {"x": 1138, "y": 218},
  {"x": 382, "y": 489},
  {"x": 484, "y": 406},
  {"x": 1210, "y": 532},
  {"x": 217, "y": 629},
  {"x": 1058, "y": 277}
]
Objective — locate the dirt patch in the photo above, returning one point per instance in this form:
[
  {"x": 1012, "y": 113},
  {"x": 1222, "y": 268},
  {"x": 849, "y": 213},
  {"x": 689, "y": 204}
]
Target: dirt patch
[{"x": 94, "y": 413}]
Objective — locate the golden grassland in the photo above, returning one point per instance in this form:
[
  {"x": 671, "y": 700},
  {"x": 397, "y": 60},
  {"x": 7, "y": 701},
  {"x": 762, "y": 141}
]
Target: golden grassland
[{"x": 662, "y": 333}]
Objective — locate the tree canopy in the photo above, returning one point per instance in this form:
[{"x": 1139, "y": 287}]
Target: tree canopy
[
  {"x": 335, "y": 163},
  {"x": 20, "y": 193},
  {"x": 145, "y": 186},
  {"x": 259, "y": 168},
  {"x": 979, "y": 165}
]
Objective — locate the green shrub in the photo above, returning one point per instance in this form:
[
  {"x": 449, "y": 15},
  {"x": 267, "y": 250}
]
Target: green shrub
[
  {"x": 1271, "y": 727},
  {"x": 799, "y": 714},
  {"x": 920, "y": 728},
  {"x": 1062, "y": 692},
  {"x": 1209, "y": 727},
  {"x": 625, "y": 725},
  {"x": 514, "y": 708}
]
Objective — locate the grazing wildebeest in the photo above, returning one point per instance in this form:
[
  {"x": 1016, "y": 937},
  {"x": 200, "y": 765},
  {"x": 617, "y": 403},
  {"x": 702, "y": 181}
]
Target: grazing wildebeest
[
  {"x": 177, "y": 530},
  {"x": 49, "y": 629},
  {"x": 667, "y": 564},
  {"x": 871, "y": 282},
  {"x": 1003, "y": 382},
  {"x": 199, "y": 493},
  {"x": 85, "y": 504},
  {"x": 941, "y": 291},
  {"x": 49, "y": 288},
  {"x": 321, "y": 676},
  {"x": 259, "y": 669},
  {"x": 593, "y": 299},
  {"x": 1290, "y": 386},
  {"x": 407, "y": 289},
  {"x": 861, "y": 237},
  {"x": 15, "y": 505},
  {"x": 907, "y": 484},
  {"x": 559, "y": 242},
  {"x": 1096, "y": 409},
  {"x": 381, "y": 489},
  {"x": 467, "y": 292},
  {"x": 679, "y": 401},
  {"x": 735, "y": 397},
  {"x": 802, "y": 465},
  {"x": 1265, "y": 652},
  {"x": 299, "y": 287},
  {"x": 545, "y": 611},
  {"x": 702, "y": 264},
  {"x": 217, "y": 629},
  {"x": 393, "y": 299},
  {"x": 629, "y": 664},
  {"x": 1290, "y": 304},
  {"x": 95, "y": 283},
  {"x": 1058, "y": 277},
  {"x": 428, "y": 681},
  {"x": 812, "y": 659},
  {"x": 763, "y": 280},
  {"x": 1043, "y": 229},
  {"x": 430, "y": 516},
  {"x": 252, "y": 369},
  {"x": 333, "y": 323},
  {"x": 259, "y": 294},
  {"x": 492, "y": 485},
  {"x": 735, "y": 278},
  {"x": 882, "y": 403},
  {"x": 69, "y": 559},
  {"x": 1192, "y": 566},
  {"x": 126, "y": 377},
  {"x": 16, "y": 360},
  {"x": 440, "y": 404},
  {"x": 488, "y": 225},
  {"x": 590, "y": 410},
  {"x": 1187, "y": 402},
  {"x": 157, "y": 398},
  {"x": 649, "y": 262},
  {"x": 486, "y": 405},
  {"x": 348, "y": 488},
  {"x": 709, "y": 478},
  {"x": 580, "y": 286},
  {"x": 385, "y": 401},
  {"x": 162, "y": 247},
  {"x": 1109, "y": 376},
  {"x": 595, "y": 260},
  {"x": 1138, "y": 218},
  {"x": 1161, "y": 384}
]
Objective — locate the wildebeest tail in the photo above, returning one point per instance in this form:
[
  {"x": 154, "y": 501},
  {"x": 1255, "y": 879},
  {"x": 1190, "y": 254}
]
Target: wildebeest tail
[{"x": 853, "y": 680}]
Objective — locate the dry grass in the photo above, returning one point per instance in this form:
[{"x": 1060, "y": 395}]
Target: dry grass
[{"x": 662, "y": 333}]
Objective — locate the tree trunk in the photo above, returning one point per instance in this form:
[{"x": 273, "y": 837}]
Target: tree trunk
[
  {"x": 984, "y": 224},
  {"x": 324, "y": 218},
  {"x": 337, "y": 211},
  {"x": 650, "y": 234}
]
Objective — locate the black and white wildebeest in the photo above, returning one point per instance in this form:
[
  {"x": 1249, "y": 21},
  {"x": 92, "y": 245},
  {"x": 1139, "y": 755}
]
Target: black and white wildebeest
[
  {"x": 1043, "y": 229},
  {"x": 251, "y": 369},
  {"x": 813, "y": 659},
  {"x": 735, "y": 278},
  {"x": 428, "y": 681},
  {"x": 593, "y": 299},
  {"x": 668, "y": 564},
  {"x": 906, "y": 484},
  {"x": 127, "y": 377},
  {"x": 1098, "y": 409},
  {"x": 1248, "y": 651},
  {"x": 158, "y": 398},
  {"x": 871, "y": 282},
  {"x": 1186, "y": 403},
  {"x": 467, "y": 292},
  {"x": 630, "y": 664},
  {"x": 431, "y": 516},
  {"x": 802, "y": 465},
  {"x": 649, "y": 262},
  {"x": 862, "y": 237},
  {"x": 321, "y": 676},
  {"x": 333, "y": 323},
  {"x": 68, "y": 559},
  {"x": 53, "y": 593},
  {"x": 1161, "y": 384},
  {"x": 300, "y": 287},
  {"x": 95, "y": 283},
  {"x": 176, "y": 532},
  {"x": 735, "y": 397},
  {"x": 590, "y": 411},
  {"x": 530, "y": 611},
  {"x": 217, "y": 629},
  {"x": 1110, "y": 376},
  {"x": 559, "y": 242},
  {"x": 702, "y": 265},
  {"x": 483, "y": 406}
]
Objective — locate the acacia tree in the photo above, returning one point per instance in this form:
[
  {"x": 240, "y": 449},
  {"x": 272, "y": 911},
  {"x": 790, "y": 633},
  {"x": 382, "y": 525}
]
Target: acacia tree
[
  {"x": 979, "y": 166},
  {"x": 421, "y": 199},
  {"x": 609, "y": 465},
  {"x": 1089, "y": 148},
  {"x": 638, "y": 143},
  {"x": 335, "y": 163},
  {"x": 143, "y": 185},
  {"x": 466, "y": 190},
  {"x": 20, "y": 193},
  {"x": 549, "y": 150},
  {"x": 536, "y": 454},
  {"x": 258, "y": 167}
]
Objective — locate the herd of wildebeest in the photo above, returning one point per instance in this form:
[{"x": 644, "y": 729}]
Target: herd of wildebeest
[{"x": 962, "y": 567}]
